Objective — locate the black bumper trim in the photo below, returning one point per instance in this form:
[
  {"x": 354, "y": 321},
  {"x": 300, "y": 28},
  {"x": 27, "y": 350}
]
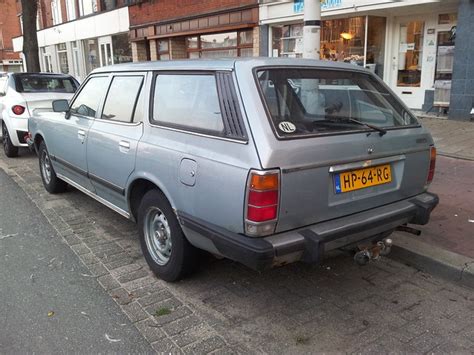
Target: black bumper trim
[
  {"x": 255, "y": 253},
  {"x": 259, "y": 253}
]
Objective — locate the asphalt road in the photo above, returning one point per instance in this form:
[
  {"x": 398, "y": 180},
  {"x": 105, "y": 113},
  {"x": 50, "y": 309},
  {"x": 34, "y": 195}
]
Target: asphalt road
[{"x": 49, "y": 301}]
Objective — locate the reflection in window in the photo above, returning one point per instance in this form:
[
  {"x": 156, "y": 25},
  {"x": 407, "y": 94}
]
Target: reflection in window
[
  {"x": 219, "y": 40},
  {"x": 188, "y": 101},
  {"x": 87, "y": 102},
  {"x": 227, "y": 44},
  {"x": 410, "y": 53},
  {"x": 121, "y": 98}
]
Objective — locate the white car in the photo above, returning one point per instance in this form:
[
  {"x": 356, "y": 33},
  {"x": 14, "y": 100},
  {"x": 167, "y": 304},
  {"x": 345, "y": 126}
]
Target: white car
[{"x": 20, "y": 95}]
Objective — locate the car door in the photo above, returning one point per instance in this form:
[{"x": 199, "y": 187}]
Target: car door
[
  {"x": 67, "y": 142},
  {"x": 113, "y": 138}
]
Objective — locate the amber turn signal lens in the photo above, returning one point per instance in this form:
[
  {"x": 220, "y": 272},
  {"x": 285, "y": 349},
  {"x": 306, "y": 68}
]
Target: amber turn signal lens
[
  {"x": 432, "y": 165},
  {"x": 264, "y": 182}
]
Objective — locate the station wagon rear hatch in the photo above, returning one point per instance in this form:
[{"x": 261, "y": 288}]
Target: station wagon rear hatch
[{"x": 345, "y": 143}]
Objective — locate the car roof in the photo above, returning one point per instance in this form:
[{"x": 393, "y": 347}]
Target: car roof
[
  {"x": 42, "y": 74},
  {"x": 225, "y": 64}
]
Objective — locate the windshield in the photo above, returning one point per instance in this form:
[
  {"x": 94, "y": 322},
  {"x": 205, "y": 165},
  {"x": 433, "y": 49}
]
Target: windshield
[
  {"x": 304, "y": 102},
  {"x": 45, "y": 83}
]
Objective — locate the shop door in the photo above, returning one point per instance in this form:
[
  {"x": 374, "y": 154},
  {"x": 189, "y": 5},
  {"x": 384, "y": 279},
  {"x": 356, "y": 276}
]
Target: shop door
[
  {"x": 407, "y": 61},
  {"x": 105, "y": 51}
]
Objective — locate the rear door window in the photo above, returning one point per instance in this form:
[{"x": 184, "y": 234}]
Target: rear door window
[
  {"x": 308, "y": 102},
  {"x": 88, "y": 100},
  {"x": 122, "y": 98},
  {"x": 188, "y": 102}
]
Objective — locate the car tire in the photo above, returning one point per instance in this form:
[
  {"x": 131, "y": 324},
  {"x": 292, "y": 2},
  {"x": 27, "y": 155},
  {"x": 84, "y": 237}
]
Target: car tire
[
  {"x": 10, "y": 150},
  {"x": 164, "y": 245},
  {"x": 51, "y": 182}
]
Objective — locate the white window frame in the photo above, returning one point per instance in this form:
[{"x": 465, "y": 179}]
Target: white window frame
[
  {"x": 56, "y": 12},
  {"x": 71, "y": 10}
]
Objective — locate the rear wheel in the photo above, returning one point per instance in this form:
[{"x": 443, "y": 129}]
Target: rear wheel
[
  {"x": 10, "y": 150},
  {"x": 51, "y": 182},
  {"x": 166, "y": 249}
]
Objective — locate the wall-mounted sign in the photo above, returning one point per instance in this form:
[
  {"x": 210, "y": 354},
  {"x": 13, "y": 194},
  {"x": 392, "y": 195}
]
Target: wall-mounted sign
[
  {"x": 298, "y": 5},
  {"x": 431, "y": 31}
]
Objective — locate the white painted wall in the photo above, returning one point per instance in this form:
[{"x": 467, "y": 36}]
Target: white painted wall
[{"x": 102, "y": 24}]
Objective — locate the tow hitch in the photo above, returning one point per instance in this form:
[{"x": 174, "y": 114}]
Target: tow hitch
[{"x": 373, "y": 253}]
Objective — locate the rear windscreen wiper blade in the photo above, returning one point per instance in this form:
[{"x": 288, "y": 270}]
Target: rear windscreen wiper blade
[{"x": 379, "y": 129}]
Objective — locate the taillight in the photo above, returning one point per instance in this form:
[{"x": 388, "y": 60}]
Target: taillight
[
  {"x": 261, "y": 210},
  {"x": 18, "y": 110},
  {"x": 432, "y": 165}
]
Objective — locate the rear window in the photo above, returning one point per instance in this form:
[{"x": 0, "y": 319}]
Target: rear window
[
  {"x": 308, "y": 102},
  {"x": 45, "y": 83}
]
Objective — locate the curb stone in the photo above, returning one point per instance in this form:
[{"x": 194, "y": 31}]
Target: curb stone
[{"x": 426, "y": 257}]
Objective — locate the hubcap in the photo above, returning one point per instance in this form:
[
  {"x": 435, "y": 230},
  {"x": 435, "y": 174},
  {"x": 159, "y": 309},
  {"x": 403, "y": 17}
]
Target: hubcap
[
  {"x": 157, "y": 236},
  {"x": 46, "y": 167}
]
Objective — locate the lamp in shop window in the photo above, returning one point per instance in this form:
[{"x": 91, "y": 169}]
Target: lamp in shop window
[{"x": 347, "y": 36}]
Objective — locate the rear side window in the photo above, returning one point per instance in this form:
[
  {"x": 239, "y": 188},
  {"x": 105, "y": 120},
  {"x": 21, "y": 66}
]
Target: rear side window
[
  {"x": 88, "y": 100},
  {"x": 188, "y": 101},
  {"x": 45, "y": 83},
  {"x": 122, "y": 98}
]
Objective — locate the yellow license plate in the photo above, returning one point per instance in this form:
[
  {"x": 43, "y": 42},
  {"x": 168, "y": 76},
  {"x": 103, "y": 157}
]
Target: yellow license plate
[{"x": 362, "y": 178}]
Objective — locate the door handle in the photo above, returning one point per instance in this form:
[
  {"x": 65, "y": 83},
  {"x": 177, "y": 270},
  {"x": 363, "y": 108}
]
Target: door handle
[
  {"x": 81, "y": 134},
  {"x": 124, "y": 144}
]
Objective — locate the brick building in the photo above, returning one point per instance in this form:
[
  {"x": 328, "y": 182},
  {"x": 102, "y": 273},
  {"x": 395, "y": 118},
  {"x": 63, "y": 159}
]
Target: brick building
[
  {"x": 161, "y": 30},
  {"x": 9, "y": 28},
  {"x": 77, "y": 36}
]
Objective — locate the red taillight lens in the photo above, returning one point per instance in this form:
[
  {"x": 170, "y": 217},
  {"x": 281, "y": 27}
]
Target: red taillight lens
[
  {"x": 261, "y": 214},
  {"x": 263, "y": 198},
  {"x": 18, "y": 110},
  {"x": 432, "y": 165},
  {"x": 263, "y": 188}
]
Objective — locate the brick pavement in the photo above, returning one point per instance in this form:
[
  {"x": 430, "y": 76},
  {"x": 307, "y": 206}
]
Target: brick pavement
[{"x": 227, "y": 308}]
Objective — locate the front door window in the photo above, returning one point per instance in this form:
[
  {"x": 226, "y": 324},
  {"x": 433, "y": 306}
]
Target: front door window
[{"x": 410, "y": 54}]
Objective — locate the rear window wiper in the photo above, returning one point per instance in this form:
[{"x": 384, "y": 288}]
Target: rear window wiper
[{"x": 379, "y": 129}]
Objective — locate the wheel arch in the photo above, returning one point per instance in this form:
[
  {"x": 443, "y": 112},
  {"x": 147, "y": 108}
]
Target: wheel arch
[{"x": 137, "y": 188}]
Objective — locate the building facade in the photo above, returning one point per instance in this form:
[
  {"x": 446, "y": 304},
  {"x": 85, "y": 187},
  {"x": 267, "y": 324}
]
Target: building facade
[
  {"x": 77, "y": 36},
  {"x": 10, "y": 61},
  {"x": 408, "y": 43},
  {"x": 162, "y": 30}
]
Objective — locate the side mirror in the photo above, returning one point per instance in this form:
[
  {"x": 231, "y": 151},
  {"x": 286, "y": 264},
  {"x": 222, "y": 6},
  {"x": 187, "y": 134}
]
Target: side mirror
[{"x": 60, "y": 106}]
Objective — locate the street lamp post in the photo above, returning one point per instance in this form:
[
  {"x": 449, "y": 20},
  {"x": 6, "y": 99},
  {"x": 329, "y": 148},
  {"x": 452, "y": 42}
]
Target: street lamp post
[{"x": 312, "y": 29}]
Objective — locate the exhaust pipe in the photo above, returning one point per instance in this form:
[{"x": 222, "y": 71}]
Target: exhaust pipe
[{"x": 373, "y": 253}]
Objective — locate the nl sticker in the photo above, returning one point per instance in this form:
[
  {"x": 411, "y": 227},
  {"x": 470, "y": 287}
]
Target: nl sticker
[{"x": 287, "y": 127}]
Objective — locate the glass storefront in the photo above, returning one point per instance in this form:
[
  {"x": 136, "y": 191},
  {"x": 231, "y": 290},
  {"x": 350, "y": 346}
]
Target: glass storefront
[
  {"x": 342, "y": 40},
  {"x": 91, "y": 54},
  {"x": 410, "y": 54},
  {"x": 122, "y": 51},
  {"x": 218, "y": 45}
]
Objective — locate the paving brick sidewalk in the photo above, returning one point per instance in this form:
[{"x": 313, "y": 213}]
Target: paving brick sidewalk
[
  {"x": 452, "y": 138},
  {"x": 227, "y": 308}
]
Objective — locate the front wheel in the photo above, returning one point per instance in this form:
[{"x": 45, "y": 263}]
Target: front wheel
[
  {"x": 166, "y": 249},
  {"x": 51, "y": 182},
  {"x": 10, "y": 150}
]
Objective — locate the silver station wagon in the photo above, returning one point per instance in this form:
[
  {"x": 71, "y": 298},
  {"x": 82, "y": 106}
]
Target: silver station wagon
[{"x": 262, "y": 161}]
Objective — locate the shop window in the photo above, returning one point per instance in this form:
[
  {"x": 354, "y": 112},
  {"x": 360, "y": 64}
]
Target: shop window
[
  {"x": 163, "y": 48},
  {"x": 376, "y": 45},
  {"x": 107, "y": 5},
  {"x": 227, "y": 44},
  {"x": 410, "y": 54},
  {"x": 91, "y": 53},
  {"x": 62, "y": 58},
  {"x": 122, "y": 52},
  {"x": 447, "y": 19},
  {"x": 344, "y": 40}
]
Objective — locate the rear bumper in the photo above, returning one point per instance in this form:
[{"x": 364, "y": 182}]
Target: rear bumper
[{"x": 311, "y": 242}]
